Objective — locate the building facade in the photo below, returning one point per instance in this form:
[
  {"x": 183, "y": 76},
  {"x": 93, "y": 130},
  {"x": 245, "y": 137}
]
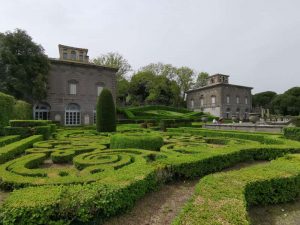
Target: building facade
[
  {"x": 74, "y": 85},
  {"x": 220, "y": 98}
]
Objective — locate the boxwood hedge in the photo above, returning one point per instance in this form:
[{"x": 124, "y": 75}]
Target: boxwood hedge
[
  {"x": 106, "y": 182},
  {"x": 148, "y": 142}
]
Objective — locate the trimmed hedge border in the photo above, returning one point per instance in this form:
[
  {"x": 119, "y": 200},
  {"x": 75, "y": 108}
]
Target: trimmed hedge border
[
  {"x": 8, "y": 152},
  {"x": 292, "y": 133},
  {"x": 29, "y": 123},
  {"x": 226, "y": 196},
  {"x": 147, "y": 142},
  {"x": 8, "y": 139}
]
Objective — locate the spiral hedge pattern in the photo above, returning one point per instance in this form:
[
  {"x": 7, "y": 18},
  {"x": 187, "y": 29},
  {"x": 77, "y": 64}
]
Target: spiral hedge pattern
[{"x": 78, "y": 176}]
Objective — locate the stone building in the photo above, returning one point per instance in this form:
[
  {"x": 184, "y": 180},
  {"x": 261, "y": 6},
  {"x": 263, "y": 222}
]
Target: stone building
[
  {"x": 220, "y": 98},
  {"x": 74, "y": 84}
]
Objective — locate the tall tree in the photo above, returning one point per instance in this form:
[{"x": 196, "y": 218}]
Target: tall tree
[
  {"x": 160, "y": 69},
  {"x": 201, "y": 79},
  {"x": 140, "y": 85},
  {"x": 114, "y": 59},
  {"x": 263, "y": 99},
  {"x": 287, "y": 103},
  {"x": 23, "y": 66},
  {"x": 185, "y": 77}
]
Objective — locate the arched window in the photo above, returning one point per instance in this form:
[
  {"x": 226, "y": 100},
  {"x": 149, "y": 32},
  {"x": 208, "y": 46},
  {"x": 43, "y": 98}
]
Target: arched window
[
  {"x": 65, "y": 55},
  {"x": 72, "y": 114},
  {"x": 237, "y": 100},
  {"x": 73, "y": 55},
  {"x": 227, "y": 113},
  {"x": 213, "y": 100},
  {"x": 72, "y": 86},
  {"x": 41, "y": 111}
]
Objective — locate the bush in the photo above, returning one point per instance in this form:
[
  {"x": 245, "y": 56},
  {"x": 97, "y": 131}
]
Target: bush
[
  {"x": 6, "y": 108},
  {"x": 46, "y": 131},
  {"x": 164, "y": 124},
  {"x": 8, "y": 139},
  {"x": 43, "y": 130},
  {"x": 292, "y": 133},
  {"x": 8, "y": 152},
  {"x": 29, "y": 123},
  {"x": 148, "y": 142},
  {"x": 106, "y": 112},
  {"x": 22, "y": 111},
  {"x": 22, "y": 131}
]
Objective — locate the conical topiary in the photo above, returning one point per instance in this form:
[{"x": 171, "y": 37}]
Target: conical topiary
[{"x": 106, "y": 112}]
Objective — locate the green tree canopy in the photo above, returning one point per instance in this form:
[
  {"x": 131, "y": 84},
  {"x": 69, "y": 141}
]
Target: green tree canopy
[
  {"x": 263, "y": 99},
  {"x": 201, "y": 79},
  {"x": 115, "y": 60},
  {"x": 287, "y": 103},
  {"x": 23, "y": 66},
  {"x": 185, "y": 77},
  {"x": 160, "y": 69}
]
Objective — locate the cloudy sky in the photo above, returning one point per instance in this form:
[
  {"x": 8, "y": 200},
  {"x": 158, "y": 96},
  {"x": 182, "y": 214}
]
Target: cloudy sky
[{"x": 256, "y": 42}]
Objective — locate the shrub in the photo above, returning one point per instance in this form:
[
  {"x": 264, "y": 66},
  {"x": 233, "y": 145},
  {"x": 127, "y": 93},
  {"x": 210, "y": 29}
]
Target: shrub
[
  {"x": 22, "y": 131},
  {"x": 292, "y": 133},
  {"x": 8, "y": 139},
  {"x": 169, "y": 123},
  {"x": 8, "y": 152},
  {"x": 6, "y": 108},
  {"x": 43, "y": 130},
  {"x": 29, "y": 123},
  {"x": 148, "y": 142},
  {"x": 22, "y": 111},
  {"x": 106, "y": 112}
]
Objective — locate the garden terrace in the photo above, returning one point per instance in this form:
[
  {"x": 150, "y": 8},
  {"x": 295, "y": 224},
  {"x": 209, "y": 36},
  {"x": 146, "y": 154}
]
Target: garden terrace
[{"x": 78, "y": 177}]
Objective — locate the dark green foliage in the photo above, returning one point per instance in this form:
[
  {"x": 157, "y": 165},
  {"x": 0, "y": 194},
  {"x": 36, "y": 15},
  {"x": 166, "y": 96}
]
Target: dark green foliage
[
  {"x": 272, "y": 191},
  {"x": 26, "y": 128},
  {"x": 22, "y": 111},
  {"x": 6, "y": 108},
  {"x": 148, "y": 142},
  {"x": 287, "y": 103},
  {"x": 22, "y": 131},
  {"x": 263, "y": 99},
  {"x": 23, "y": 66},
  {"x": 43, "y": 130},
  {"x": 106, "y": 112},
  {"x": 29, "y": 123},
  {"x": 292, "y": 133},
  {"x": 8, "y": 152},
  {"x": 164, "y": 124}
]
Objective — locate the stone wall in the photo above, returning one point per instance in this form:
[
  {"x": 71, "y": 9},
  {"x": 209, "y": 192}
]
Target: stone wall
[{"x": 87, "y": 77}]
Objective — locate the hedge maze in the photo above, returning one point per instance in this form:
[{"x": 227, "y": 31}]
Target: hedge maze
[{"x": 80, "y": 177}]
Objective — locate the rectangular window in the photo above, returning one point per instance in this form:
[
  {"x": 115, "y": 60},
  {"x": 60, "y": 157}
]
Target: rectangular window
[
  {"x": 192, "y": 103},
  {"x": 95, "y": 117},
  {"x": 73, "y": 89},
  {"x": 246, "y": 101},
  {"x": 80, "y": 57},
  {"x": 228, "y": 99},
  {"x": 201, "y": 101},
  {"x": 237, "y": 100},
  {"x": 65, "y": 55},
  {"x": 99, "y": 90},
  {"x": 213, "y": 100}
]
